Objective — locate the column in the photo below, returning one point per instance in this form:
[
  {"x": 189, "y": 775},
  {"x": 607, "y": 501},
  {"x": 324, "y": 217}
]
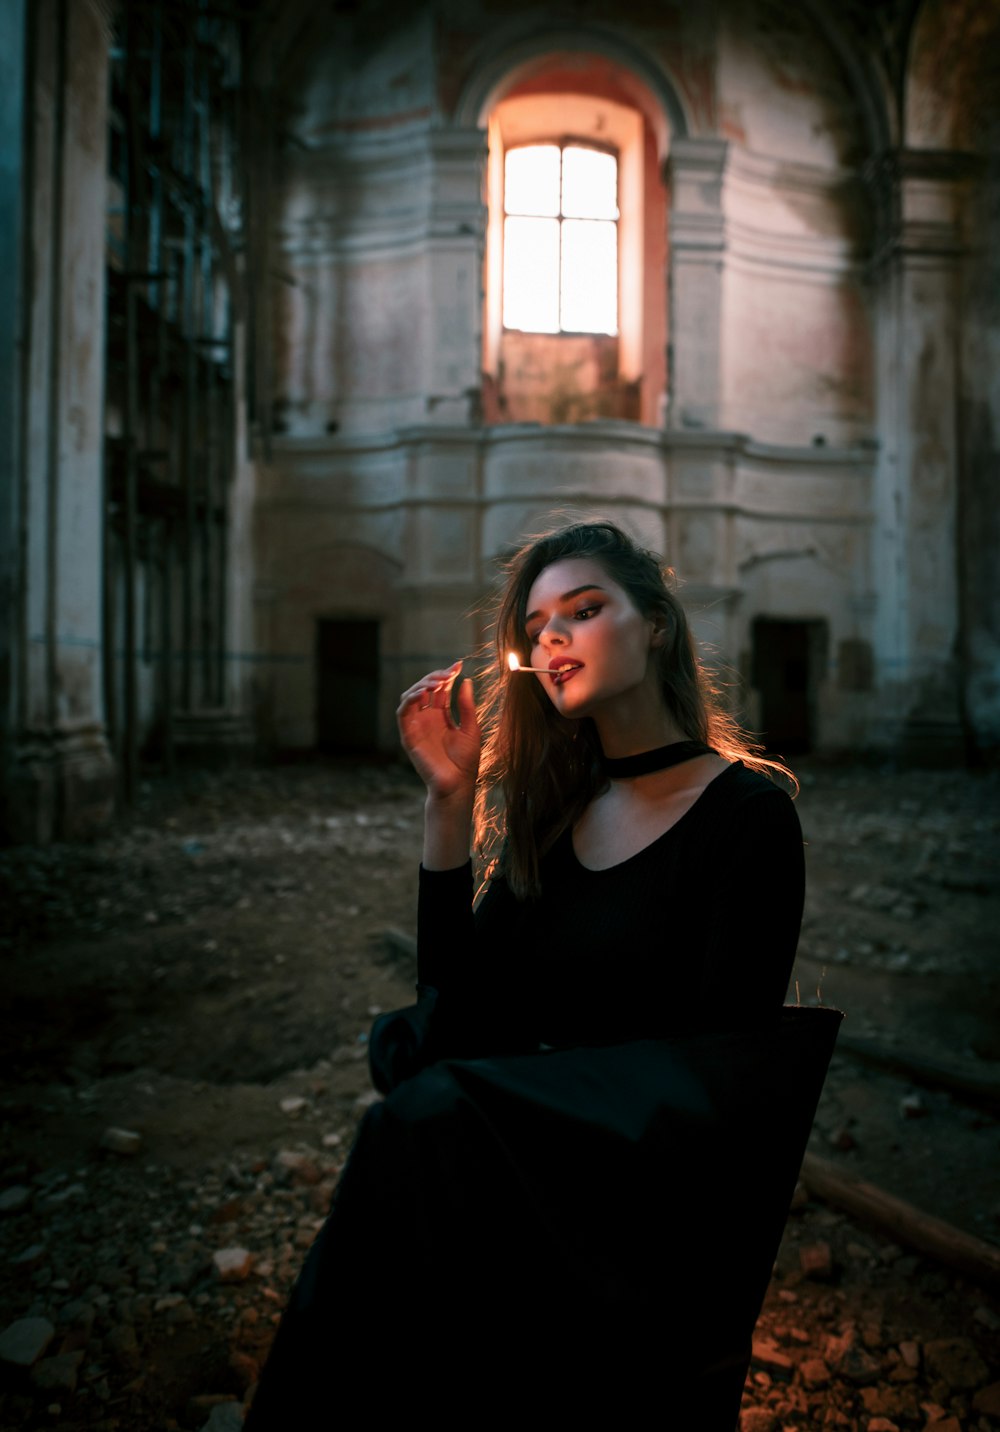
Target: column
[
  {"x": 919, "y": 198},
  {"x": 60, "y": 774}
]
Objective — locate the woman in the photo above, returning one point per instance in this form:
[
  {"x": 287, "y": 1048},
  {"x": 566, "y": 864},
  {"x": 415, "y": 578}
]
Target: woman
[{"x": 543, "y": 1211}]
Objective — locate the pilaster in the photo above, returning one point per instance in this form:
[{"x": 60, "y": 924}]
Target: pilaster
[{"x": 694, "y": 173}]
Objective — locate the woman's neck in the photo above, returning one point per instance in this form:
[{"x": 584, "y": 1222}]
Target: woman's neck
[{"x": 629, "y": 733}]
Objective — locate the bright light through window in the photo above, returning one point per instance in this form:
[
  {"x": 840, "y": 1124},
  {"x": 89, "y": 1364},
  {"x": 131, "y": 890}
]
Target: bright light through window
[{"x": 560, "y": 240}]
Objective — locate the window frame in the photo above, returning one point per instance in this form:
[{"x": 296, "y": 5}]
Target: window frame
[{"x": 564, "y": 142}]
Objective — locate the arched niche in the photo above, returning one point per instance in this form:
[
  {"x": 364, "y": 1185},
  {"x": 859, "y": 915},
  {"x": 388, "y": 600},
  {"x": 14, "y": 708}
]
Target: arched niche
[{"x": 323, "y": 597}]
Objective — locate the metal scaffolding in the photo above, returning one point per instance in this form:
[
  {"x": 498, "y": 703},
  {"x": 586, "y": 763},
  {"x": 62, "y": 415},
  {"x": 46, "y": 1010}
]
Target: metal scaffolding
[{"x": 175, "y": 289}]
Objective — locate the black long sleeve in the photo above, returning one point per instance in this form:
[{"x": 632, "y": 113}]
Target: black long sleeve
[{"x": 697, "y": 930}]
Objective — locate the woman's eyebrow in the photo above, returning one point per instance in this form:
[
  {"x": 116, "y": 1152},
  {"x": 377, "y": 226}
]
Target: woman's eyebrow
[{"x": 566, "y": 596}]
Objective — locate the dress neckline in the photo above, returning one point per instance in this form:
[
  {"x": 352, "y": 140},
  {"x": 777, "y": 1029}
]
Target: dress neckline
[{"x": 637, "y": 854}]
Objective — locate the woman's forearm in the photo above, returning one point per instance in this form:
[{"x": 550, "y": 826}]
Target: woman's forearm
[{"x": 447, "y": 830}]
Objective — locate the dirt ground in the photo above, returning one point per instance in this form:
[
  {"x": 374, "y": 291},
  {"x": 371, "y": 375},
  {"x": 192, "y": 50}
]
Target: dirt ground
[{"x": 204, "y": 979}]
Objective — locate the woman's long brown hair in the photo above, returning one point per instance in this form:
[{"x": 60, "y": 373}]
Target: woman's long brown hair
[{"x": 539, "y": 770}]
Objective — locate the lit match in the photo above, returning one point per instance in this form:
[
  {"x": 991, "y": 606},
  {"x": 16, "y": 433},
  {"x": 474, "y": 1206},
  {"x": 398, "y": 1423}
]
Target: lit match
[{"x": 514, "y": 663}]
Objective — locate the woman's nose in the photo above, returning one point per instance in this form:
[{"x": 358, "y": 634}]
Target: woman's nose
[{"x": 553, "y": 634}]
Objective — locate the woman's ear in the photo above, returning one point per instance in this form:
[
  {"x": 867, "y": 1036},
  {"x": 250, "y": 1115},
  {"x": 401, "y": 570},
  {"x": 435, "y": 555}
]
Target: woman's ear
[{"x": 658, "y": 634}]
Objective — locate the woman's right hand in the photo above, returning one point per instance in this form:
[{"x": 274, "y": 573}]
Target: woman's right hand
[{"x": 445, "y": 756}]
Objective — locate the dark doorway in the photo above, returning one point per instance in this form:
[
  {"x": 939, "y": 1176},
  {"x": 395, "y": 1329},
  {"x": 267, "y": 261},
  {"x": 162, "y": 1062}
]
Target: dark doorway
[
  {"x": 347, "y": 685},
  {"x": 788, "y": 660}
]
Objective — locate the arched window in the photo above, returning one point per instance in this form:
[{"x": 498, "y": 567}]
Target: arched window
[
  {"x": 574, "y": 278},
  {"x": 560, "y": 248}
]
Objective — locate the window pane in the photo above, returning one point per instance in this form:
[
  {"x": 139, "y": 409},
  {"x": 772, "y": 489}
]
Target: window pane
[
  {"x": 589, "y": 276},
  {"x": 531, "y": 275},
  {"x": 590, "y": 184},
  {"x": 531, "y": 179}
]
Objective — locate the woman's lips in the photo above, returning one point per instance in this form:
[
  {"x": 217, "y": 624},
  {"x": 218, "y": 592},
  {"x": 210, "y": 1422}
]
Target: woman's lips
[{"x": 562, "y": 671}]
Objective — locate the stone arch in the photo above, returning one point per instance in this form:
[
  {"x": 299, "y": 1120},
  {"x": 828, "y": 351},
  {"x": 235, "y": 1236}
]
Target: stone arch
[
  {"x": 509, "y": 59},
  {"x": 870, "y": 87}
]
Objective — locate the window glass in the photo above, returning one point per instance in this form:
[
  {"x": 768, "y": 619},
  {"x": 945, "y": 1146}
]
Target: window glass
[
  {"x": 531, "y": 275},
  {"x": 531, "y": 180},
  {"x": 560, "y": 268},
  {"x": 589, "y": 278},
  {"x": 589, "y": 184}
]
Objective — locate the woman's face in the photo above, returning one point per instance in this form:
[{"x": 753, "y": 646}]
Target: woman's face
[{"x": 584, "y": 628}]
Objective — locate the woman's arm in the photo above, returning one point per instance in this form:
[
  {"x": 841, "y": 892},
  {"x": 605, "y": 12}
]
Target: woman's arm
[
  {"x": 445, "y": 755},
  {"x": 463, "y": 1009},
  {"x": 755, "y": 917}
]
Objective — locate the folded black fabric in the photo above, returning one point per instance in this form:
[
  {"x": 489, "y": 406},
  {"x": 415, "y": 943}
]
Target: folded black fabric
[{"x": 566, "y": 1230}]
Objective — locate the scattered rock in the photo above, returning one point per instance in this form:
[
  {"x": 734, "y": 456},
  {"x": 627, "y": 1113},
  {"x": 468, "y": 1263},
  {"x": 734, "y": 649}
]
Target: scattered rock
[
  {"x": 768, "y": 1355},
  {"x": 121, "y": 1141},
  {"x": 298, "y": 1166},
  {"x": 881, "y": 1424},
  {"x": 758, "y": 1419},
  {"x": 293, "y": 1106},
  {"x": 123, "y": 1345},
  {"x": 23, "y": 1342},
  {"x": 956, "y": 1362},
  {"x": 843, "y": 1140},
  {"x": 30, "y": 1257},
  {"x": 859, "y": 1366},
  {"x": 224, "y": 1417},
  {"x": 816, "y": 1261},
  {"x": 57, "y": 1374},
  {"x": 912, "y": 1106},
  {"x": 815, "y": 1373},
  {"x": 987, "y": 1400},
  {"x": 14, "y": 1198},
  {"x": 233, "y": 1265},
  {"x": 910, "y": 1353}
]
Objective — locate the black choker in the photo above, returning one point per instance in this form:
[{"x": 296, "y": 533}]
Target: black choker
[{"x": 620, "y": 768}]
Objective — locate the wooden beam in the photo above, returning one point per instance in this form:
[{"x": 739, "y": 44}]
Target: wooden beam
[{"x": 962, "y": 1252}]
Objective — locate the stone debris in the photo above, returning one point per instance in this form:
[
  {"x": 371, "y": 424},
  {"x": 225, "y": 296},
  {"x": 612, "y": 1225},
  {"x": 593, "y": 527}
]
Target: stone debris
[
  {"x": 816, "y": 1261},
  {"x": 118, "y": 1258},
  {"x": 956, "y": 1362},
  {"x": 121, "y": 1141},
  {"x": 910, "y": 1353},
  {"x": 814, "y": 1365},
  {"x": 233, "y": 1264},
  {"x": 912, "y": 1106},
  {"x": 57, "y": 1374},
  {"x": 23, "y": 1342},
  {"x": 757, "y": 1419},
  {"x": 224, "y": 1417},
  {"x": 987, "y": 1400},
  {"x": 14, "y": 1198}
]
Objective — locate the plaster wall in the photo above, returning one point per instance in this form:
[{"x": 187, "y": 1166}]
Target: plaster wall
[
  {"x": 434, "y": 511},
  {"x": 801, "y": 466}
]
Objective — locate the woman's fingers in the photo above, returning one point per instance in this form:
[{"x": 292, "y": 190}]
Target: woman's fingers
[{"x": 432, "y": 690}]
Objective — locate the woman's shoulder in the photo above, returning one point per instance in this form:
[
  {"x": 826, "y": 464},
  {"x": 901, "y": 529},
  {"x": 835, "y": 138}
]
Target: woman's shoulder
[
  {"x": 742, "y": 783},
  {"x": 742, "y": 798}
]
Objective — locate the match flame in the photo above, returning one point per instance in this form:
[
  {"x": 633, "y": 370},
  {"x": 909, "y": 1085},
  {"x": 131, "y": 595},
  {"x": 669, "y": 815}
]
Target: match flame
[{"x": 513, "y": 662}]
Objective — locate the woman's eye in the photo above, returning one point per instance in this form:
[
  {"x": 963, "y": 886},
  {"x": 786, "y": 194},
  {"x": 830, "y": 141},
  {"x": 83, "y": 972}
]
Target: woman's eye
[{"x": 585, "y": 613}]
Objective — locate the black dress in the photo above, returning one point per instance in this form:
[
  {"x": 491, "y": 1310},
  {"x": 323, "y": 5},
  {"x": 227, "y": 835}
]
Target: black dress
[{"x": 570, "y": 1199}]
